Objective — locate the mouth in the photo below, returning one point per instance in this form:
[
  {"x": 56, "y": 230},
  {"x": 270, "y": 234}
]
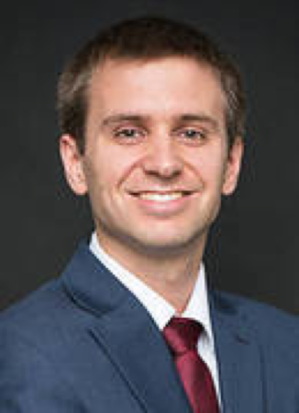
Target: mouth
[
  {"x": 162, "y": 196},
  {"x": 163, "y": 203}
]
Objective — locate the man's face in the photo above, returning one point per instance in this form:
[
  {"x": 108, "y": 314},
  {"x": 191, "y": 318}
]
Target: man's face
[{"x": 156, "y": 159}]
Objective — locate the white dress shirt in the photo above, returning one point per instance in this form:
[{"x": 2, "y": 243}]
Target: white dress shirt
[{"x": 161, "y": 311}]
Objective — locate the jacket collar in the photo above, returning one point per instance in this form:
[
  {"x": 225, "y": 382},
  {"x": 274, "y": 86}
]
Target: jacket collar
[
  {"x": 239, "y": 356},
  {"x": 125, "y": 331},
  {"x": 90, "y": 284}
]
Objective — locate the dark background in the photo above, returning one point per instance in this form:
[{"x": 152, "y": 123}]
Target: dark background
[{"x": 254, "y": 251}]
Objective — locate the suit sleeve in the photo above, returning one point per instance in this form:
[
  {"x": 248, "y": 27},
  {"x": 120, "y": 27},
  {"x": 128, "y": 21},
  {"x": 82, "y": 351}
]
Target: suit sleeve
[{"x": 29, "y": 381}]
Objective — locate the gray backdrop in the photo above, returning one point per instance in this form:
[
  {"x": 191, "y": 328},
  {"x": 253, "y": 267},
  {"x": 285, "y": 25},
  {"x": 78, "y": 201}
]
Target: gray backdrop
[{"x": 254, "y": 247}]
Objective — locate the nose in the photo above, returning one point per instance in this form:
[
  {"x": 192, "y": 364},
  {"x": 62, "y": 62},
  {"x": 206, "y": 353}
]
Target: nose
[{"x": 163, "y": 159}]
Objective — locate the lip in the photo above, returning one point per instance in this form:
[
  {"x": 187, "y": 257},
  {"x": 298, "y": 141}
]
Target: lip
[
  {"x": 161, "y": 196},
  {"x": 163, "y": 203}
]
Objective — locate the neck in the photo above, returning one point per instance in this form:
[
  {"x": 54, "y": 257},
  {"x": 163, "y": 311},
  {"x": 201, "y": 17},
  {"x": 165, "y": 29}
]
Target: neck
[{"x": 172, "y": 276}]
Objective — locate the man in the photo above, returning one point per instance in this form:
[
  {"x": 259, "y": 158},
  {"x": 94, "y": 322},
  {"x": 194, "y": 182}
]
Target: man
[{"x": 152, "y": 118}]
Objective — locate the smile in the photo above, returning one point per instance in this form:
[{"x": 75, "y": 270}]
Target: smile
[
  {"x": 163, "y": 204},
  {"x": 161, "y": 197}
]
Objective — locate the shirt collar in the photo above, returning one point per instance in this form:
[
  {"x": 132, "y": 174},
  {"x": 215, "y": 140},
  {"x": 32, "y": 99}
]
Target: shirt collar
[
  {"x": 198, "y": 306},
  {"x": 160, "y": 310}
]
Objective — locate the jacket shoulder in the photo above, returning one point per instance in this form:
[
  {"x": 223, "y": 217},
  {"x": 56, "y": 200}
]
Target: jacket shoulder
[
  {"x": 256, "y": 311},
  {"x": 43, "y": 317},
  {"x": 270, "y": 325}
]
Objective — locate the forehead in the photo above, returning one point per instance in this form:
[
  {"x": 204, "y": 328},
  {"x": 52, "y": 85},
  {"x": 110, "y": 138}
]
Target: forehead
[{"x": 166, "y": 85}]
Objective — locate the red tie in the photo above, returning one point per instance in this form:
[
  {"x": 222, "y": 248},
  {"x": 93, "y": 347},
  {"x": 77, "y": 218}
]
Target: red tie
[{"x": 182, "y": 336}]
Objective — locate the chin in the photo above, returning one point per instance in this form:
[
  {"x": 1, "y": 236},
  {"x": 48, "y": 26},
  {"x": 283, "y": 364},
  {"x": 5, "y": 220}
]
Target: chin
[{"x": 167, "y": 246}]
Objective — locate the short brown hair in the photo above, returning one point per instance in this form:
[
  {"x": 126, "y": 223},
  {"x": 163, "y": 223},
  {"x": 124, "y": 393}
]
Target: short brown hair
[{"x": 145, "y": 38}]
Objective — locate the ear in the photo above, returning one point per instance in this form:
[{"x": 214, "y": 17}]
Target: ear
[
  {"x": 72, "y": 161},
  {"x": 233, "y": 167}
]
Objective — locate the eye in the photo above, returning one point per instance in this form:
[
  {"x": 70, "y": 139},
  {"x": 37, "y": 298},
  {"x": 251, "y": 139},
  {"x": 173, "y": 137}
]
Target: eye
[
  {"x": 193, "y": 135},
  {"x": 129, "y": 134}
]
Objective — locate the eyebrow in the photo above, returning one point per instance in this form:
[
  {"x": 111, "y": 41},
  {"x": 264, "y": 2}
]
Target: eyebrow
[
  {"x": 123, "y": 117},
  {"x": 186, "y": 117},
  {"x": 200, "y": 118}
]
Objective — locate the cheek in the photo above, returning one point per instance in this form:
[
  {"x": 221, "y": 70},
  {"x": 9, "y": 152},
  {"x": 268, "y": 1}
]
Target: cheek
[
  {"x": 120, "y": 165},
  {"x": 106, "y": 173},
  {"x": 210, "y": 166}
]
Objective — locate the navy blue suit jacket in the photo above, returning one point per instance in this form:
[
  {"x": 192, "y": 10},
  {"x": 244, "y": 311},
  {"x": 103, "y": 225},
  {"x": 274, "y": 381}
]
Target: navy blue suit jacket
[{"x": 84, "y": 344}]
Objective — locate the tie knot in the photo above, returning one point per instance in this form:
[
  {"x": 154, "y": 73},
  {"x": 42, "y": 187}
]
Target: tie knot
[{"x": 181, "y": 334}]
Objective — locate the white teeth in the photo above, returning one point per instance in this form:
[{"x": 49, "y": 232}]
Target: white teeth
[{"x": 154, "y": 196}]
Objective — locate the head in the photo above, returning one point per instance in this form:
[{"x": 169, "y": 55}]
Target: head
[
  {"x": 142, "y": 40},
  {"x": 152, "y": 119}
]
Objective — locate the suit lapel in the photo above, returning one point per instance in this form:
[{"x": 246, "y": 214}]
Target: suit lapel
[
  {"x": 125, "y": 331},
  {"x": 127, "y": 334},
  {"x": 239, "y": 360},
  {"x": 137, "y": 349}
]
